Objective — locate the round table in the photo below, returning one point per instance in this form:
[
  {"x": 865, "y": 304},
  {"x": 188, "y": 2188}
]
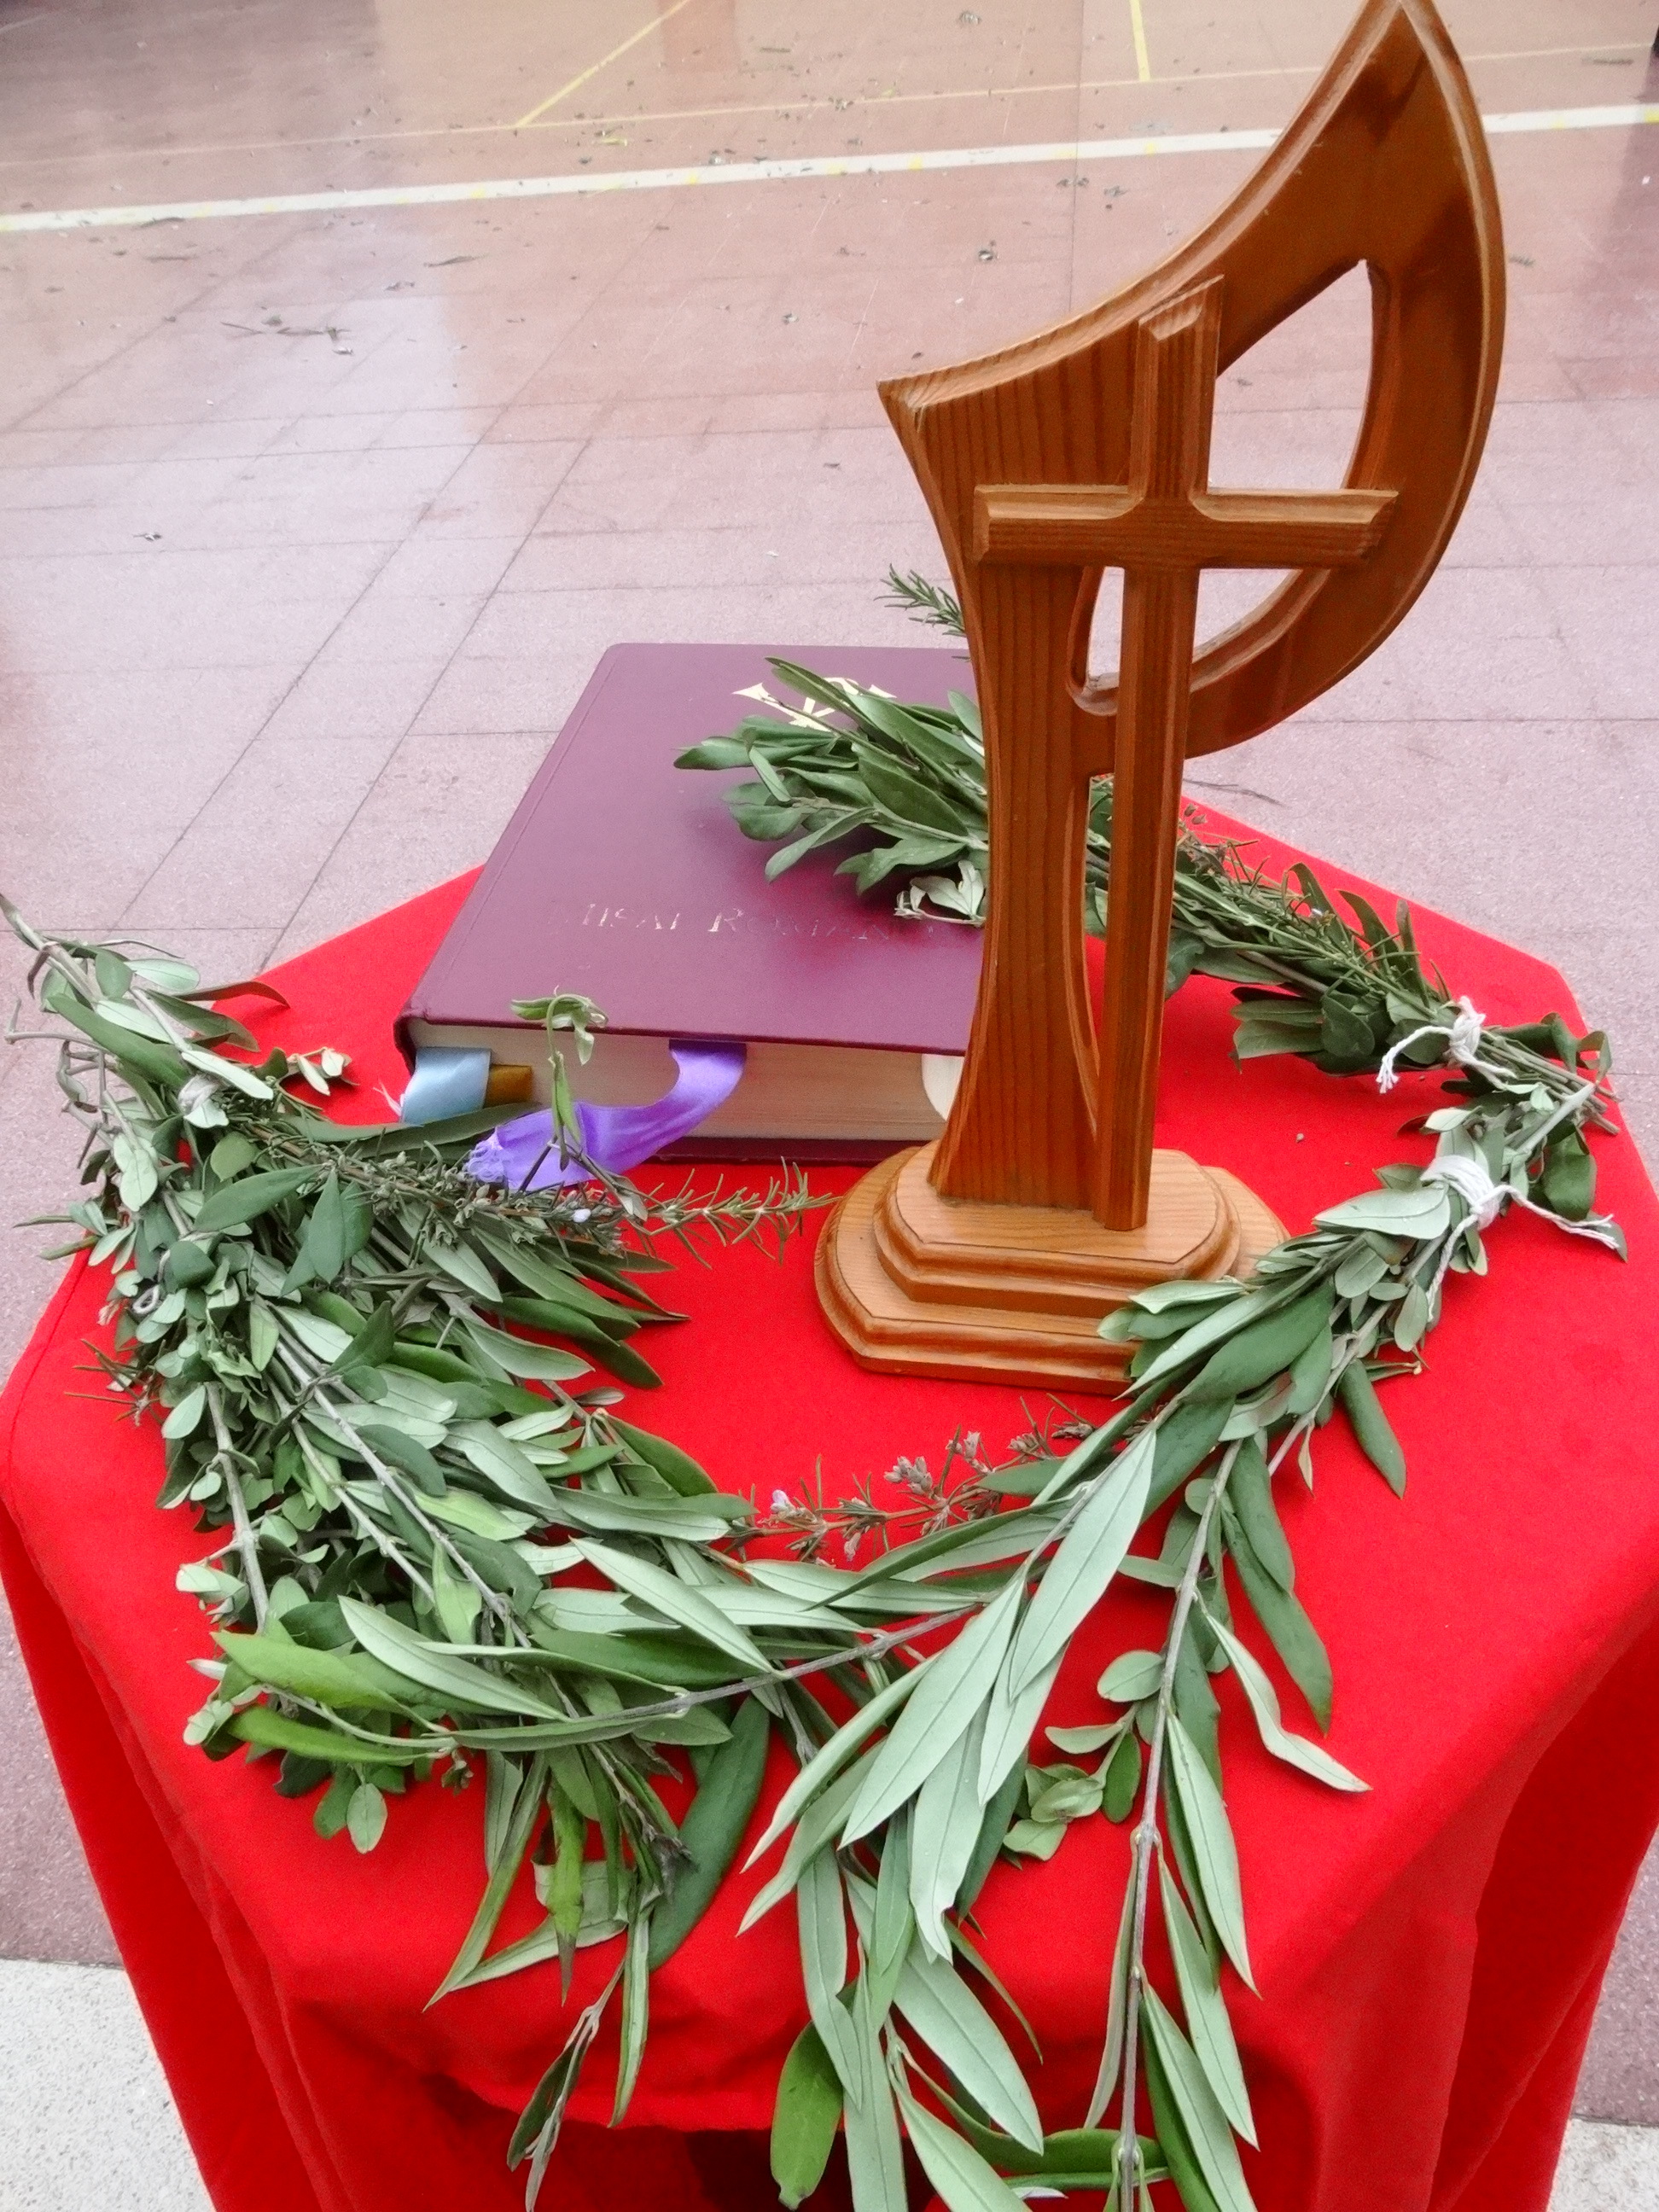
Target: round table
[{"x": 1428, "y": 1954}]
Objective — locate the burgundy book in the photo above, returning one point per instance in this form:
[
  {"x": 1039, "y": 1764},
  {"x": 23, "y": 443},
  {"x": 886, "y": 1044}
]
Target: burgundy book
[{"x": 627, "y": 878}]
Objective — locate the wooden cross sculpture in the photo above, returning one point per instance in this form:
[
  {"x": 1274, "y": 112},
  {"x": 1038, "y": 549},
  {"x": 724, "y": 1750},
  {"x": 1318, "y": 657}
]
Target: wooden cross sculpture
[{"x": 998, "y": 1250}]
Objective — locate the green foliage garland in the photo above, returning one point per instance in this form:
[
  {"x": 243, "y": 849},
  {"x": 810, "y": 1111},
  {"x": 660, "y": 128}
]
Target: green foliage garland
[{"x": 329, "y": 1322}]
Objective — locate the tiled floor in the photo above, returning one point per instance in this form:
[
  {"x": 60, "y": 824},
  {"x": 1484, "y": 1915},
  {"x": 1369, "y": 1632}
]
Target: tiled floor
[{"x": 312, "y": 525}]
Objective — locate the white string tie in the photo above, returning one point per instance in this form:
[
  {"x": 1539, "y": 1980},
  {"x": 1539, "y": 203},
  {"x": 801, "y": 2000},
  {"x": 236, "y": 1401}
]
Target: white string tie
[
  {"x": 1485, "y": 1199},
  {"x": 1462, "y": 1035}
]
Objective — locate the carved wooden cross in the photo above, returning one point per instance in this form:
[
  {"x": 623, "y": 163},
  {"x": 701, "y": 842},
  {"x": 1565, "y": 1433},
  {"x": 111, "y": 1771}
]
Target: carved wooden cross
[
  {"x": 1163, "y": 529},
  {"x": 997, "y": 1251}
]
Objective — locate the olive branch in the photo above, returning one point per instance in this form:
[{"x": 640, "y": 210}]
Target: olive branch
[{"x": 438, "y": 1547}]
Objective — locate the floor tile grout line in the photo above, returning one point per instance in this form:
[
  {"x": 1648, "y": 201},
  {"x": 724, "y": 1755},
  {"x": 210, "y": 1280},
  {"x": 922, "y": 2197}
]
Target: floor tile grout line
[
  {"x": 1507, "y": 403},
  {"x": 252, "y": 262},
  {"x": 208, "y": 285},
  {"x": 594, "y": 69},
  {"x": 219, "y": 783},
  {"x": 1572, "y": 401},
  {"x": 582, "y": 446},
  {"x": 426, "y": 698},
  {"x": 92, "y": 368}
]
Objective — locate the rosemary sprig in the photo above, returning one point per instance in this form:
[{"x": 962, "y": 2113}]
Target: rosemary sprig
[{"x": 927, "y": 602}]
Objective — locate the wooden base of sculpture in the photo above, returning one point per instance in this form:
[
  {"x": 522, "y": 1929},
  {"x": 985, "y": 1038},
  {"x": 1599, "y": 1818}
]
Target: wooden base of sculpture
[{"x": 916, "y": 1284}]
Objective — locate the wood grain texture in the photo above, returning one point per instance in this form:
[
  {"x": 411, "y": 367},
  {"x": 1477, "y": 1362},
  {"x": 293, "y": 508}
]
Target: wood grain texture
[
  {"x": 917, "y": 1284},
  {"x": 1088, "y": 447},
  {"x": 1064, "y": 525}
]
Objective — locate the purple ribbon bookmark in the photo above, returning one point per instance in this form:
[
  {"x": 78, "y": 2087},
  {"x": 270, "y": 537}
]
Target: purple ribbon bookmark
[{"x": 614, "y": 1137}]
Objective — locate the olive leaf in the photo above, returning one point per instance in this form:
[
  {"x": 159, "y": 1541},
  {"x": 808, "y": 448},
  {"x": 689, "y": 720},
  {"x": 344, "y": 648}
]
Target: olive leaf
[
  {"x": 938, "y": 1712},
  {"x": 366, "y": 1816},
  {"x": 1293, "y": 1635},
  {"x": 1192, "y": 2128},
  {"x": 1375, "y": 1437},
  {"x": 1254, "y": 1355},
  {"x": 243, "y": 1201},
  {"x": 536, "y": 2134},
  {"x": 713, "y": 1828},
  {"x": 1131, "y": 1676},
  {"x": 1084, "y": 1561},
  {"x": 875, "y": 2157},
  {"x": 828, "y": 1761},
  {"x": 1215, "y": 1853},
  {"x": 345, "y": 1681},
  {"x": 945, "y": 1822},
  {"x": 636, "y": 2014},
  {"x": 1010, "y": 1720},
  {"x": 814, "y": 1831},
  {"x": 681, "y": 1601},
  {"x": 1207, "y": 2025},
  {"x": 408, "y": 1655},
  {"x": 805, "y": 2117},
  {"x": 1258, "y": 1688},
  {"x": 963, "y": 2179},
  {"x": 1249, "y": 1495},
  {"x": 960, "y": 2032},
  {"x": 821, "y": 1918}
]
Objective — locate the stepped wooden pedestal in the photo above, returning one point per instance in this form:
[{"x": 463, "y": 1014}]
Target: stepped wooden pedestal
[
  {"x": 1086, "y": 447},
  {"x": 918, "y": 1284}
]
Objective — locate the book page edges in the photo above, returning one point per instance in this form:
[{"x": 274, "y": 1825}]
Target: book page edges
[{"x": 862, "y": 1092}]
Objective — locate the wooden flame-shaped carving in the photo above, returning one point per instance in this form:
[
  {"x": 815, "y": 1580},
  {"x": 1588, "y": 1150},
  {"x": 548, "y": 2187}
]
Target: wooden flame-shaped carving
[{"x": 1087, "y": 447}]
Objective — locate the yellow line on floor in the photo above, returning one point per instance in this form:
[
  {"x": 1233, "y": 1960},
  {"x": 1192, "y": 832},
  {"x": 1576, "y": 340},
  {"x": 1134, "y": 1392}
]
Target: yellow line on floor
[
  {"x": 1137, "y": 24},
  {"x": 787, "y": 110},
  {"x": 1065, "y": 87},
  {"x": 604, "y": 62}
]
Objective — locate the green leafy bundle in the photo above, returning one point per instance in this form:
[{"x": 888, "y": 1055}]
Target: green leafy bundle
[
  {"x": 438, "y": 1554},
  {"x": 905, "y": 785},
  {"x": 440, "y": 1549},
  {"x": 1230, "y": 1383}
]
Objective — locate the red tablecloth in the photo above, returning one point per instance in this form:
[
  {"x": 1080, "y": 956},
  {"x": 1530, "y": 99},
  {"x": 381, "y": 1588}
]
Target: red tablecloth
[{"x": 1428, "y": 1955}]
